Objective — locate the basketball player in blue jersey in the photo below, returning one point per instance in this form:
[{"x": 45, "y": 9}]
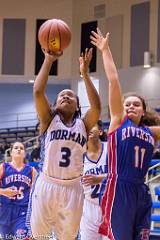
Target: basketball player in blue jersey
[
  {"x": 15, "y": 183},
  {"x": 95, "y": 170},
  {"x": 57, "y": 199},
  {"x": 126, "y": 204}
]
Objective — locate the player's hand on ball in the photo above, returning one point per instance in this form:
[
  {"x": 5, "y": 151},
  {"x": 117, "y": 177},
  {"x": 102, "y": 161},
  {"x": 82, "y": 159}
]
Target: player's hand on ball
[{"x": 52, "y": 56}]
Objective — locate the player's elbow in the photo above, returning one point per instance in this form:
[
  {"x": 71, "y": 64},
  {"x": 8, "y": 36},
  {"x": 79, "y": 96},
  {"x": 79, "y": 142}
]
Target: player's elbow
[{"x": 37, "y": 91}]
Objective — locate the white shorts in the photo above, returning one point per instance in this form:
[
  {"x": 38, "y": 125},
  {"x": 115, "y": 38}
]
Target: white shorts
[
  {"x": 90, "y": 221},
  {"x": 56, "y": 206}
]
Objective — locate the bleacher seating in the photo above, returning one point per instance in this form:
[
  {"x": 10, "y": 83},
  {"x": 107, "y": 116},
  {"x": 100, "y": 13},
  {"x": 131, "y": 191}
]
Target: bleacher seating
[
  {"x": 155, "y": 170},
  {"x": 10, "y": 135},
  {"x": 157, "y": 192},
  {"x": 27, "y": 135},
  {"x": 155, "y": 216},
  {"x": 152, "y": 179},
  {"x": 154, "y": 162}
]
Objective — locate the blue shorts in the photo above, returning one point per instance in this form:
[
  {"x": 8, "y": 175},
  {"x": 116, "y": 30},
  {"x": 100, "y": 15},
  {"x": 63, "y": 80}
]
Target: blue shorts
[
  {"x": 12, "y": 222},
  {"x": 126, "y": 210}
]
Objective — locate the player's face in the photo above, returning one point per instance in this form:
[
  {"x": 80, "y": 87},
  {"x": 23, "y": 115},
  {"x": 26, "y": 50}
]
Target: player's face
[
  {"x": 67, "y": 100},
  {"x": 134, "y": 108},
  {"x": 94, "y": 133},
  {"x": 18, "y": 150}
]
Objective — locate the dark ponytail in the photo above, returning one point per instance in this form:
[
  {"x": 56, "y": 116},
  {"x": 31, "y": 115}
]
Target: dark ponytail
[{"x": 103, "y": 136}]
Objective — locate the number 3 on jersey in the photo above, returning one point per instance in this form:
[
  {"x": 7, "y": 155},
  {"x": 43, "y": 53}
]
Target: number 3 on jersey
[{"x": 66, "y": 153}]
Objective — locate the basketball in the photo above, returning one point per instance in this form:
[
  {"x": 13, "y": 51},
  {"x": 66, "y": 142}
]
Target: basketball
[{"x": 54, "y": 35}]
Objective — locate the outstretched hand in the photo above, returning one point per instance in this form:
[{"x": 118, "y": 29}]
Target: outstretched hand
[
  {"x": 99, "y": 41},
  {"x": 85, "y": 60}
]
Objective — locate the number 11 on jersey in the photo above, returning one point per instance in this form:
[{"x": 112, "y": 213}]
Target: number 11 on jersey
[{"x": 139, "y": 156}]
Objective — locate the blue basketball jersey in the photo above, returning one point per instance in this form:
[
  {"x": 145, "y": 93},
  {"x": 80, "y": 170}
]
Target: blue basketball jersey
[
  {"x": 126, "y": 200},
  {"x": 130, "y": 151},
  {"x": 19, "y": 180}
]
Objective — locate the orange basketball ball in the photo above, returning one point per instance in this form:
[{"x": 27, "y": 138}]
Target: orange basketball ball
[{"x": 54, "y": 35}]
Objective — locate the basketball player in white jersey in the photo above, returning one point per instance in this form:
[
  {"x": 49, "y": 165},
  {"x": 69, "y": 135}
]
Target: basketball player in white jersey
[
  {"x": 57, "y": 199},
  {"x": 95, "y": 170}
]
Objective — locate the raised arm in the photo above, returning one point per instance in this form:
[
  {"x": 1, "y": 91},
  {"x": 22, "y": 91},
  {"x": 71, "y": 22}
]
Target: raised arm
[
  {"x": 41, "y": 101},
  {"x": 115, "y": 96},
  {"x": 93, "y": 114}
]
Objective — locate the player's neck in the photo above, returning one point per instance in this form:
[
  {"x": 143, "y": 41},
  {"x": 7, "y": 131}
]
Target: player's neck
[
  {"x": 18, "y": 164},
  {"x": 67, "y": 119},
  {"x": 94, "y": 146},
  {"x": 94, "y": 152}
]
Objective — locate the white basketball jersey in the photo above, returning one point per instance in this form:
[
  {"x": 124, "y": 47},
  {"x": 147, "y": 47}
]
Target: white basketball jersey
[
  {"x": 62, "y": 149},
  {"x": 97, "y": 168}
]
